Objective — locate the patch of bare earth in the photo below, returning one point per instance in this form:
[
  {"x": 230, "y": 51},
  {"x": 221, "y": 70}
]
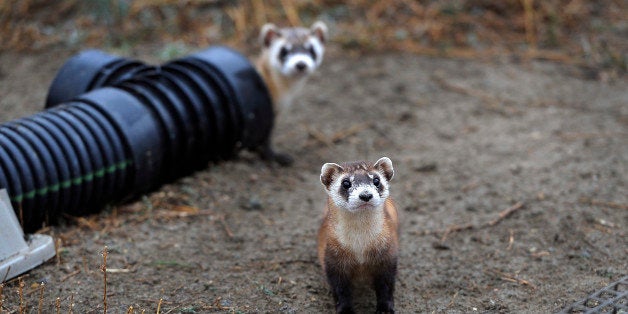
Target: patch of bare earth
[{"x": 510, "y": 177}]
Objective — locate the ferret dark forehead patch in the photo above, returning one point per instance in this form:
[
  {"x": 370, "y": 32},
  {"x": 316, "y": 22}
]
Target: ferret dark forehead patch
[
  {"x": 351, "y": 167},
  {"x": 296, "y": 35},
  {"x": 362, "y": 178}
]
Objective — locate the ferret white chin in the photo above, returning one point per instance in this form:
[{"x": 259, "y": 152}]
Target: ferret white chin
[{"x": 361, "y": 208}]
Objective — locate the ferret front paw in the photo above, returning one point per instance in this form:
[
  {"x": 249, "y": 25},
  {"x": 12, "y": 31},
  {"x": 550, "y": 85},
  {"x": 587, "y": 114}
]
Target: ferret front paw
[
  {"x": 385, "y": 308},
  {"x": 344, "y": 309},
  {"x": 267, "y": 153},
  {"x": 283, "y": 159}
]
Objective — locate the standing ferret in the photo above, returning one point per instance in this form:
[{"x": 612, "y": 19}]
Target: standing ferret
[
  {"x": 358, "y": 238},
  {"x": 288, "y": 57}
]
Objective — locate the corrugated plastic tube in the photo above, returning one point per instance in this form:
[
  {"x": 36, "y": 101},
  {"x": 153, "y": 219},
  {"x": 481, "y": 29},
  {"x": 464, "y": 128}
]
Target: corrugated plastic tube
[{"x": 115, "y": 128}]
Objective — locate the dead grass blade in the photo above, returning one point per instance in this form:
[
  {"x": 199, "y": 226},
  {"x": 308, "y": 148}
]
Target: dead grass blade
[
  {"x": 594, "y": 202},
  {"x": 510, "y": 278},
  {"x": 70, "y": 275}
]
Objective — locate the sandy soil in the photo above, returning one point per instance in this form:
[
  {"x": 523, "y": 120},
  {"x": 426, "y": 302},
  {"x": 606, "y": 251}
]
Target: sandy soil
[{"x": 470, "y": 141}]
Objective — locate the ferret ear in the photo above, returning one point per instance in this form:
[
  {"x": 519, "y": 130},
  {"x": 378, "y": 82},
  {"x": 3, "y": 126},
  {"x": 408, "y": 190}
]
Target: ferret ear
[
  {"x": 385, "y": 165},
  {"x": 268, "y": 33},
  {"x": 327, "y": 173},
  {"x": 319, "y": 29}
]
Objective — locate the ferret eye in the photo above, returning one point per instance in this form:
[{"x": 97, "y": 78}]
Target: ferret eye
[
  {"x": 376, "y": 181},
  {"x": 312, "y": 52},
  {"x": 283, "y": 53},
  {"x": 346, "y": 184}
]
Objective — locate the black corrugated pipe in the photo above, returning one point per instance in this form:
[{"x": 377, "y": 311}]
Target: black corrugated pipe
[{"x": 138, "y": 127}]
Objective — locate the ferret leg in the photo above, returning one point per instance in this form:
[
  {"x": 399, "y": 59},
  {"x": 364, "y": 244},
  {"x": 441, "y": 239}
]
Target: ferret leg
[
  {"x": 341, "y": 288},
  {"x": 384, "y": 284}
]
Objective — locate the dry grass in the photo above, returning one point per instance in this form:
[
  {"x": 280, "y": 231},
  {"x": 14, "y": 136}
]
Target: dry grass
[
  {"x": 30, "y": 294},
  {"x": 575, "y": 31},
  {"x": 35, "y": 293}
]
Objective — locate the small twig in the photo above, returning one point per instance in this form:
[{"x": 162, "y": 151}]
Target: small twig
[
  {"x": 503, "y": 214},
  {"x": 470, "y": 186},
  {"x": 319, "y": 136},
  {"x": 511, "y": 240},
  {"x": 265, "y": 220},
  {"x": 457, "y": 228},
  {"x": 342, "y": 134},
  {"x": 292, "y": 261},
  {"x": 161, "y": 300},
  {"x": 571, "y": 136},
  {"x": 17, "y": 279},
  {"x": 20, "y": 292},
  {"x": 72, "y": 274},
  {"x": 540, "y": 254},
  {"x": 181, "y": 214},
  {"x": 225, "y": 226},
  {"x": 220, "y": 306},
  {"x": 87, "y": 223},
  {"x": 338, "y": 135},
  {"x": 490, "y": 101},
  {"x": 511, "y": 278},
  {"x": 453, "y": 298},
  {"x": 58, "y": 305},
  {"x": 118, "y": 270},
  {"x": 41, "y": 298},
  {"x": 593, "y": 202},
  {"x": 57, "y": 247},
  {"x": 71, "y": 310},
  {"x": 84, "y": 260},
  {"x": 103, "y": 268},
  {"x": 539, "y": 54}
]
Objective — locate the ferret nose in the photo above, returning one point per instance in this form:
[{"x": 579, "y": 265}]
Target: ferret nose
[
  {"x": 366, "y": 196},
  {"x": 301, "y": 66}
]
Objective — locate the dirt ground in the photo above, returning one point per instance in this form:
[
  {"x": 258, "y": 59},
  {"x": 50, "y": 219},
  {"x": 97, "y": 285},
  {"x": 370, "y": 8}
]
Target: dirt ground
[{"x": 511, "y": 179}]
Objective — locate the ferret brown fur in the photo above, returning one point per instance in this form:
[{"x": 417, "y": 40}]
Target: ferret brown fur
[{"x": 358, "y": 238}]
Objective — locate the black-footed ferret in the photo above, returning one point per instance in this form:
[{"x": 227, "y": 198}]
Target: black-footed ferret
[
  {"x": 358, "y": 238},
  {"x": 289, "y": 56}
]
